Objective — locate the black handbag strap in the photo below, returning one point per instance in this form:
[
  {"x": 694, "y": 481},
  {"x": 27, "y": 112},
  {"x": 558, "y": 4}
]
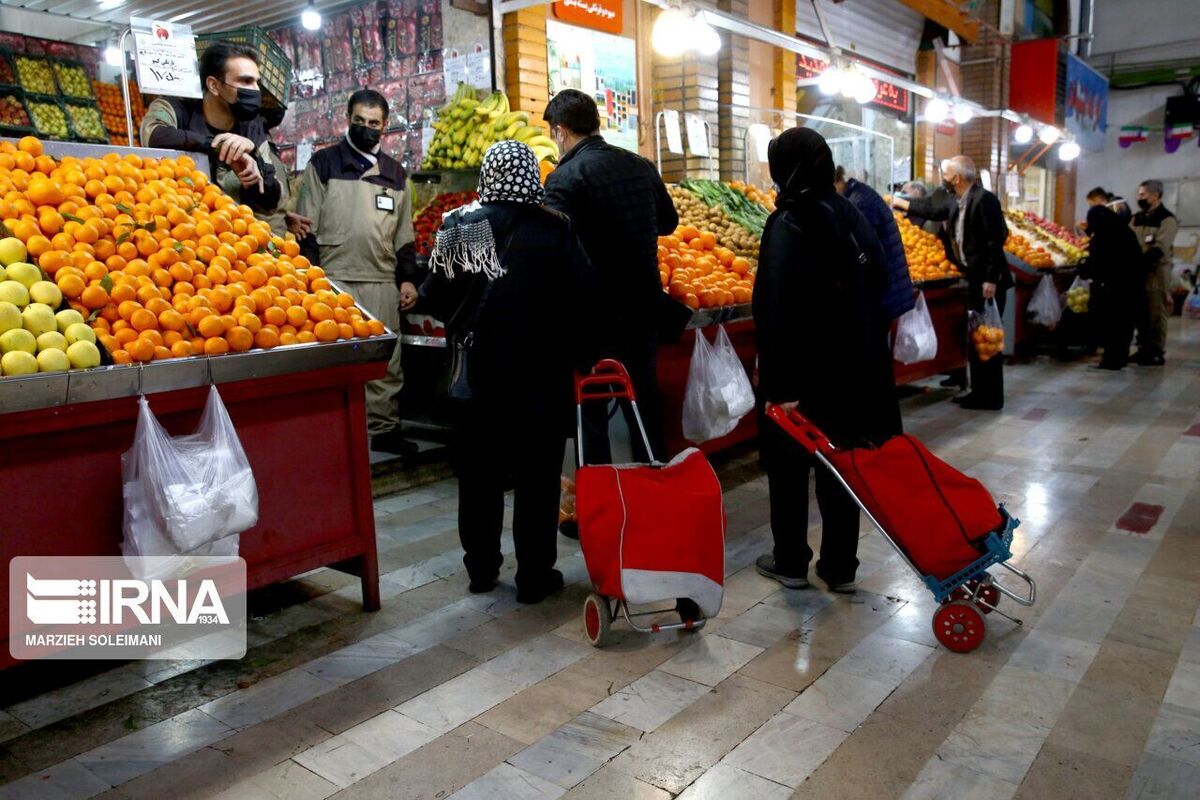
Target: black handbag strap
[{"x": 469, "y": 329}]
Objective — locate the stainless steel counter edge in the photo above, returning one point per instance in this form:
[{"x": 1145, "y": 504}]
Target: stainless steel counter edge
[{"x": 49, "y": 390}]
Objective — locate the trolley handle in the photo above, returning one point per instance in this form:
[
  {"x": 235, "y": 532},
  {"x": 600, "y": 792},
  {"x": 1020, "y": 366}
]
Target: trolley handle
[
  {"x": 796, "y": 425},
  {"x": 608, "y": 380},
  {"x": 1025, "y": 601}
]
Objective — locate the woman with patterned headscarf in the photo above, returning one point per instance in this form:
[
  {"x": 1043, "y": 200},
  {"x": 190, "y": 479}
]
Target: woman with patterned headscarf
[{"x": 516, "y": 292}]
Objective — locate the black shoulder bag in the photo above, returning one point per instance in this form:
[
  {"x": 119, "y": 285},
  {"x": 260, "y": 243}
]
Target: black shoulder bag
[{"x": 460, "y": 389}]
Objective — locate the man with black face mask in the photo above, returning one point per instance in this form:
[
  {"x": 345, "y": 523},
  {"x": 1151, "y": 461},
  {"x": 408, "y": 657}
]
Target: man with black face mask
[
  {"x": 1155, "y": 227},
  {"x": 226, "y": 126},
  {"x": 362, "y": 235}
]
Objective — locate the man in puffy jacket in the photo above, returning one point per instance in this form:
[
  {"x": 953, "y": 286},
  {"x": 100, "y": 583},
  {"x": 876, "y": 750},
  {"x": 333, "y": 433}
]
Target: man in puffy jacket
[
  {"x": 898, "y": 294},
  {"x": 1155, "y": 227}
]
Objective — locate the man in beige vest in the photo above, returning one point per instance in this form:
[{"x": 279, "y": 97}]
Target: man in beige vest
[{"x": 362, "y": 235}]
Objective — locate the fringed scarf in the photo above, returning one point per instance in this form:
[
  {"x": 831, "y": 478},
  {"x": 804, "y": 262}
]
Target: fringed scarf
[{"x": 465, "y": 243}]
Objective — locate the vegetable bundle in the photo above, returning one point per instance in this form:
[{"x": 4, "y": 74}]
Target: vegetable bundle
[{"x": 742, "y": 210}]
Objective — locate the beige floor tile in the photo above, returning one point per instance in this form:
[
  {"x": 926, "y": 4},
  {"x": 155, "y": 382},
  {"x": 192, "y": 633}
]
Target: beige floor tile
[
  {"x": 650, "y": 701},
  {"x": 286, "y": 781},
  {"x": 724, "y": 782},
  {"x": 1087, "y": 725},
  {"x": 611, "y": 784},
  {"x": 1060, "y": 772},
  {"x": 711, "y": 659},
  {"x": 506, "y": 782},
  {"x": 1002, "y": 748},
  {"x": 786, "y": 750},
  {"x": 941, "y": 780}
]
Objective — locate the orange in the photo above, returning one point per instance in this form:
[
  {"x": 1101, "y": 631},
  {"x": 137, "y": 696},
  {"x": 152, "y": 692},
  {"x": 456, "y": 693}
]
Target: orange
[
  {"x": 250, "y": 322},
  {"x": 326, "y": 330},
  {"x": 320, "y": 311},
  {"x": 240, "y": 339},
  {"x": 227, "y": 321},
  {"x": 345, "y": 330},
  {"x": 37, "y": 244},
  {"x": 275, "y": 315},
  {"x": 361, "y": 328},
  {"x": 70, "y": 285},
  {"x": 94, "y": 297},
  {"x": 181, "y": 349},
  {"x": 161, "y": 351},
  {"x": 143, "y": 320},
  {"x": 154, "y": 337},
  {"x": 210, "y": 326},
  {"x": 121, "y": 357},
  {"x": 377, "y": 327},
  {"x": 171, "y": 320},
  {"x": 306, "y": 337},
  {"x": 141, "y": 350},
  {"x": 216, "y": 346},
  {"x": 31, "y": 145},
  {"x": 266, "y": 339},
  {"x": 296, "y": 315}
]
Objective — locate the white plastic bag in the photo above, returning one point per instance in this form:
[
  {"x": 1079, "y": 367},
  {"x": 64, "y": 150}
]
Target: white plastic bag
[
  {"x": 718, "y": 392},
  {"x": 1045, "y": 307},
  {"x": 916, "y": 340},
  {"x": 194, "y": 490},
  {"x": 1079, "y": 296}
]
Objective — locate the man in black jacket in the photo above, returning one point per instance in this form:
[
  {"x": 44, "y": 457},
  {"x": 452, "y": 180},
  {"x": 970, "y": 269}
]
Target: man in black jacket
[
  {"x": 974, "y": 239},
  {"x": 619, "y": 207}
]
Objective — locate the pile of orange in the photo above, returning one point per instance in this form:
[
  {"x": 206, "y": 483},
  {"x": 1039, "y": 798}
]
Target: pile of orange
[
  {"x": 161, "y": 262},
  {"x": 698, "y": 272},
  {"x": 112, "y": 109},
  {"x": 1025, "y": 250},
  {"x": 988, "y": 341},
  {"x": 926, "y": 256}
]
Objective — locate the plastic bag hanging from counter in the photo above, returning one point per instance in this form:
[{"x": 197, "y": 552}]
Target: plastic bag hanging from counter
[
  {"x": 197, "y": 489},
  {"x": 718, "y": 392},
  {"x": 1079, "y": 295},
  {"x": 1045, "y": 307},
  {"x": 916, "y": 339}
]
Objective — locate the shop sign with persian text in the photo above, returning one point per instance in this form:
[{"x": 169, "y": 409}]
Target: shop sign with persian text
[
  {"x": 887, "y": 95},
  {"x": 603, "y": 15}
]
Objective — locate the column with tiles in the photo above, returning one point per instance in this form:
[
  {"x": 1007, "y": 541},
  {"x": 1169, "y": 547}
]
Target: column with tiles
[
  {"x": 733, "y": 93},
  {"x": 689, "y": 85},
  {"x": 526, "y": 65},
  {"x": 783, "y": 63}
]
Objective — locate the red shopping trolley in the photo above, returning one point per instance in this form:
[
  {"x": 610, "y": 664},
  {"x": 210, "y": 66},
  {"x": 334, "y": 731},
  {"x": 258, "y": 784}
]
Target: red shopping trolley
[
  {"x": 650, "y": 532},
  {"x": 943, "y": 523}
]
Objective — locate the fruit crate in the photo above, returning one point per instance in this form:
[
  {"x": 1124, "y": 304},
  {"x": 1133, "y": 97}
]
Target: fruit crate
[
  {"x": 34, "y": 102},
  {"x": 274, "y": 67},
  {"x": 12, "y": 104},
  {"x": 34, "y": 74},
  {"x": 8, "y": 76},
  {"x": 73, "y": 80},
  {"x": 85, "y": 120}
]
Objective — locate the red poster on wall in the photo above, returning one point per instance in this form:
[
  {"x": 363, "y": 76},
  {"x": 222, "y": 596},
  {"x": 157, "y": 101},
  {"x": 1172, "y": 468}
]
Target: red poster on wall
[{"x": 603, "y": 15}]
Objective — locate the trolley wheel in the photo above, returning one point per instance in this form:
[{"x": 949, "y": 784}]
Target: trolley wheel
[
  {"x": 959, "y": 626},
  {"x": 597, "y": 619},
  {"x": 991, "y": 595},
  {"x": 687, "y": 610}
]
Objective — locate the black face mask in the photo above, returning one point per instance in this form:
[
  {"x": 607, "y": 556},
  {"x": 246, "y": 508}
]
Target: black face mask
[
  {"x": 364, "y": 138},
  {"x": 247, "y": 104},
  {"x": 948, "y": 186},
  {"x": 1143, "y": 204}
]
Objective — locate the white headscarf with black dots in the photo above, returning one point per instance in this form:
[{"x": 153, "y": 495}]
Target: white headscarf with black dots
[{"x": 509, "y": 173}]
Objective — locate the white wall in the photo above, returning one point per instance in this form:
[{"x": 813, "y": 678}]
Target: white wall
[
  {"x": 1121, "y": 171},
  {"x": 1124, "y": 24}
]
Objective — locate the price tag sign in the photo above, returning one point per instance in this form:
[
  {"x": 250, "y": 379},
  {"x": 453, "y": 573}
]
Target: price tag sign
[
  {"x": 426, "y": 137},
  {"x": 454, "y": 70},
  {"x": 760, "y": 138},
  {"x": 303, "y": 155},
  {"x": 1012, "y": 184},
  {"x": 479, "y": 69},
  {"x": 674, "y": 135},
  {"x": 697, "y": 133},
  {"x": 166, "y": 58}
]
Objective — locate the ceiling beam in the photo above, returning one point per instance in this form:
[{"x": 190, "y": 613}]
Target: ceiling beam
[{"x": 949, "y": 15}]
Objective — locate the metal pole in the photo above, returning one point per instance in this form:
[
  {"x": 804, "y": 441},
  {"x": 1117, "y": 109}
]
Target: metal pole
[
  {"x": 816, "y": 4},
  {"x": 125, "y": 87}
]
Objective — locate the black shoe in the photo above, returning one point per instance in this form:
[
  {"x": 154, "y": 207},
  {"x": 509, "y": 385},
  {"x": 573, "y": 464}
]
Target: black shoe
[
  {"x": 569, "y": 528},
  {"x": 974, "y": 403},
  {"x": 953, "y": 383},
  {"x": 540, "y": 590},
  {"x": 1111, "y": 367},
  {"x": 765, "y": 566},
  {"x": 483, "y": 585},
  {"x": 394, "y": 442},
  {"x": 1148, "y": 359}
]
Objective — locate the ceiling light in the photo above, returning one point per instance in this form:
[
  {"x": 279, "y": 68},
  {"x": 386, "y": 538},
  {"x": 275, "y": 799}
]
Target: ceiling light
[
  {"x": 669, "y": 36},
  {"x": 936, "y": 110},
  {"x": 1023, "y": 134},
  {"x": 830, "y": 82},
  {"x": 963, "y": 114},
  {"x": 705, "y": 39},
  {"x": 861, "y": 87},
  {"x": 1068, "y": 151},
  {"x": 311, "y": 18},
  {"x": 1048, "y": 134},
  {"x": 113, "y": 56}
]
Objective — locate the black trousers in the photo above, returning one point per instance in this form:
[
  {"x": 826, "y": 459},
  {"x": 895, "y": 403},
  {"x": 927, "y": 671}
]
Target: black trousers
[
  {"x": 638, "y": 351},
  {"x": 987, "y": 377},
  {"x": 1117, "y": 308},
  {"x": 491, "y": 455},
  {"x": 787, "y": 468}
]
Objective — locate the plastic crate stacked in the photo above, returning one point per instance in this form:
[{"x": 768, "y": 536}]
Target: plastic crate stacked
[
  {"x": 55, "y": 96},
  {"x": 275, "y": 69},
  {"x": 112, "y": 109},
  {"x": 14, "y": 115}
]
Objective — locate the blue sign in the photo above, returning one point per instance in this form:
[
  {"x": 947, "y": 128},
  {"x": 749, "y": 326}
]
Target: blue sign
[{"x": 1086, "y": 111}]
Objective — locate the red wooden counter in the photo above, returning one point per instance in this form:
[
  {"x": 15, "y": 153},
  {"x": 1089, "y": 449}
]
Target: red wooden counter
[{"x": 301, "y": 417}]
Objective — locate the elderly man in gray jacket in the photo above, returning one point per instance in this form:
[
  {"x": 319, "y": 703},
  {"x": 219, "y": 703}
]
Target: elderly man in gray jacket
[{"x": 1155, "y": 227}]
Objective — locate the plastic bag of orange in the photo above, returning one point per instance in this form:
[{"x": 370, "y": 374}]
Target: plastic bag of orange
[
  {"x": 987, "y": 331},
  {"x": 566, "y": 500}
]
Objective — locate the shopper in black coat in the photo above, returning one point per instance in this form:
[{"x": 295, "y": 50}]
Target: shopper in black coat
[
  {"x": 512, "y": 274},
  {"x": 619, "y": 207},
  {"x": 822, "y": 348},
  {"x": 898, "y": 294},
  {"x": 974, "y": 238},
  {"x": 1113, "y": 266}
]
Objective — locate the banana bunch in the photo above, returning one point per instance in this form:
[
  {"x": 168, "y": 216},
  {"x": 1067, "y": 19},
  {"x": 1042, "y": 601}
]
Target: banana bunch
[{"x": 466, "y": 127}]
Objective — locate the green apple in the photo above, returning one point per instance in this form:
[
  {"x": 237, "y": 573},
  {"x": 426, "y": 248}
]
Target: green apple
[
  {"x": 53, "y": 361},
  {"x": 52, "y": 340},
  {"x": 38, "y": 318},
  {"x": 23, "y": 273},
  {"x": 14, "y": 292},
  {"x": 12, "y": 249},
  {"x": 47, "y": 293},
  {"x": 83, "y": 355},
  {"x": 66, "y": 318},
  {"x": 10, "y": 317},
  {"x": 18, "y": 339},
  {"x": 79, "y": 332},
  {"x": 18, "y": 362}
]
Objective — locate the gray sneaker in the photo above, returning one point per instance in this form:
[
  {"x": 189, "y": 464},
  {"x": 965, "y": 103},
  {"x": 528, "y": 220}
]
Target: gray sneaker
[
  {"x": 765, "y": 566},
  {"x": 849, "y": 587}
]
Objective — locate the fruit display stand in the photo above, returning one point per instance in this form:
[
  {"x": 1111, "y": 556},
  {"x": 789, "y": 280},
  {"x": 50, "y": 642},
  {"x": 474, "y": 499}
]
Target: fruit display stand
[
  {"x": 299, "y": 412},
  {"x": 1027, "y": 336}
]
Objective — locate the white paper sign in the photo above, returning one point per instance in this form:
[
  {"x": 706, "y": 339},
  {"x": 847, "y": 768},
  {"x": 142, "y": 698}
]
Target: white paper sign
[
  {"x": 760, "y": 138},
  {"x": 454, "y": 70},
  {"x": 166, "y": 58},
  {"x": 674, "y": 135},
  {"x": 697, "y": 133},
  {"x": 426, "y": 137},
  {"x": 1012, "y": 184},
  {"x": 303, "y": 155},
  {"x": 479, "y": 69}
]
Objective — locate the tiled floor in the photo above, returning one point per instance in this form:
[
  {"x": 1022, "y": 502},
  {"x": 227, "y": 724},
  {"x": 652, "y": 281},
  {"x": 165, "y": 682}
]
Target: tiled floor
[{"x": 786, "y": 694}]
